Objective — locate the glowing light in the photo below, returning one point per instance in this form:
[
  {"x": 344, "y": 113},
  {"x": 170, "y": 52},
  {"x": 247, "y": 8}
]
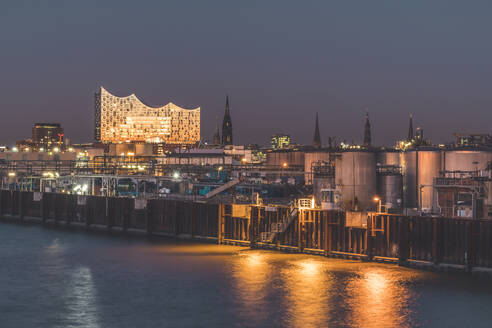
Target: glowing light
[
  {"x": 56, "y": 149},
  {"x": 50, "y": 174},
  {"x": 176, "y": 175},
  {"x": 284, "y": 164},
  {"x": 376, "y": 199},
  {"x": 309, "y": 268},
  {"x": 11, "y": 174},
  {"x": 220, "y": 168},
  {"x": 135, "y": 121},
  {"x": 15, "y": 149}
]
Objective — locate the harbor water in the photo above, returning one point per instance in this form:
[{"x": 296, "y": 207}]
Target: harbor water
[{"x": 60, "y": 278}]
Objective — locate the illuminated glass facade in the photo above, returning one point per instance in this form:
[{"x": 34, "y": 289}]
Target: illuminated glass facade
[
  {"x": 280, "y": 141},
  {"x": 127, "y": 119}
]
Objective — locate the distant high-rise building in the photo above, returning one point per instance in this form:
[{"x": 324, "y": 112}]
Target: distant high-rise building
[
  {"x": 316, "y": 138},
  {"x": 227, "y": 125},
  {"x": 47, "y": 134},
  {"x": 410, "y": 129},
  {"x": 367, "y": 131},
  {"x": 217, "y": 133},
  {"x": 280, "y": 141},
  {"x": 128, "y": 119}
]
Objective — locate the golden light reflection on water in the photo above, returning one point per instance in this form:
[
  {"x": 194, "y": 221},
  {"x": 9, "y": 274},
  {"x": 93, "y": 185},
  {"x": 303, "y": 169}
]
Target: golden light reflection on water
[
  {"x": 307, "y": 287},
  {"x": 318, "y": 292},
  {"x": 378, "y": 298},
  {"x": 252, "y": 273}
]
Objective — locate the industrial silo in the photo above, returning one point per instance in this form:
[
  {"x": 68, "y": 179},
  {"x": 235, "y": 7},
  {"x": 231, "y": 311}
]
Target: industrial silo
[
  {"x": 428, "y": 168},
  {"x": 312, "y": 159},
  {"x": 408, "y": 162},
  {"x": 388, "y": 157},
  {"x": 390, "y": 186},
  {"x": 466, "y": 160},
  {"x": 358, "y": 181}
]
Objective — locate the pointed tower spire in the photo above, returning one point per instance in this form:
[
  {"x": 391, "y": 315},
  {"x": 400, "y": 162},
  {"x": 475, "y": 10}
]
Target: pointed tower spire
[
  {"x": 410, "y": 128},
  {"x": 367, "y": 131},
  {"x": 316, "y": 138},
  {"x": 227, "y": 105},
  {"x": 227, "y": 125},
  {"x": 217, "y": 132}
]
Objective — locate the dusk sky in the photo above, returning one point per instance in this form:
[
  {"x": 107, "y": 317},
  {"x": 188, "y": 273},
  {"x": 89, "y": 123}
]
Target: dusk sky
[{"x": 279, "y": 61}]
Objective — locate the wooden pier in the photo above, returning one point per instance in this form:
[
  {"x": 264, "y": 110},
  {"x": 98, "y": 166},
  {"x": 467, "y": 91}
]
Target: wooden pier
[{"x": 425, "y": 242}]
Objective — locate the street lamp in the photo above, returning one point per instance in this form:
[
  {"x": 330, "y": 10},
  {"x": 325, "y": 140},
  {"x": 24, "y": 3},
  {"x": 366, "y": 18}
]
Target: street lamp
[{"x": 378, "y": 200}]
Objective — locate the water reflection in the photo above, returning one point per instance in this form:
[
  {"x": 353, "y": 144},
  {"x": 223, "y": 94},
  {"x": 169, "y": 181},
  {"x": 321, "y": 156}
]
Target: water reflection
[
  {"x": 80, "y": 300},
  {"x": 307, "y": 287},
  {"x": 53, "y": 257},
  {"x": 93, "y": 281},
  {"x": 378, "y": 298},
  {"x": 252, "y": 273}
]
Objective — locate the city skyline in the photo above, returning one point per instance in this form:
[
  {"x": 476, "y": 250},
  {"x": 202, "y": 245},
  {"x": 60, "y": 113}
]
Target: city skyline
[{"x": 428, "y": 60}]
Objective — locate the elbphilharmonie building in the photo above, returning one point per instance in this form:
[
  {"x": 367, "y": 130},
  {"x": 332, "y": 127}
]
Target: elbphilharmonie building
[{"x": 128, "y": 119}]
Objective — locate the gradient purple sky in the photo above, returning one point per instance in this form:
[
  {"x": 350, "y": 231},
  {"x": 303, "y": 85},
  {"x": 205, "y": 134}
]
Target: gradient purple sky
[{"x": 280, "y": 62}]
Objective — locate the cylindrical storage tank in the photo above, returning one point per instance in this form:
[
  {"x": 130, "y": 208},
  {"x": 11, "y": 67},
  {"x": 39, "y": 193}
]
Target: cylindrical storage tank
[
  {"x": 313, "y": 157},
  {"x": 428, "y": 168},
  {"x": 390, "y": 189},
  {"x": 358, "y": 180},
  {"x": 338, "y": 169},
  {"x": 408, "y": 162},
  {"x": 387, "y": 157},
  {"x": 466, "y": 160}
]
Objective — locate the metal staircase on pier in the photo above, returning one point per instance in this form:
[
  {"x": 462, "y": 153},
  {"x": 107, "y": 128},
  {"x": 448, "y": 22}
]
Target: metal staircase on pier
[
  {"x": 276, "y": 228},
  {"x": 222, "y": 188}
]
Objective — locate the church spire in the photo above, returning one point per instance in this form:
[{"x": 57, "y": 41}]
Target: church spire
[
  {"x": 217, "y": 132},
  {"x": 316, "y": 138},
  {"x": 410, "y": 128},
  {"x": 227, "y": 125},
  {"x": 367, "y": 131},
  {"x": 227, "y": 112}
]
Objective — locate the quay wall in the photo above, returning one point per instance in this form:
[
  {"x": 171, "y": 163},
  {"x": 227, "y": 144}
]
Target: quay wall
[{"x": 428, "y": 242}]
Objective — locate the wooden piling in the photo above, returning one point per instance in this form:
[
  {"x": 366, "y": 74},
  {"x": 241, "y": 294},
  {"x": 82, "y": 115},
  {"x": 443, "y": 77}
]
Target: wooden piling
[
  {"x": 369, "y": 238},
  {"x": 148, "y": 218},
  {"x": 403, "y": 247},
  {"x": 220, "y": 232},
  {"x": 21, "y": 206},
  {"x": 43, "y": 207}
]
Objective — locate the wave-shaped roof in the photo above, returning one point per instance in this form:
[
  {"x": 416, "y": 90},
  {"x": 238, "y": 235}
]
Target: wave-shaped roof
[{"x": 134, "y": 97}]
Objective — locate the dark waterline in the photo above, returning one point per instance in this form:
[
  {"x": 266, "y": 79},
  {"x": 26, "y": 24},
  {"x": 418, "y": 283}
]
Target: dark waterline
[{"x": 53, "y": 278}]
